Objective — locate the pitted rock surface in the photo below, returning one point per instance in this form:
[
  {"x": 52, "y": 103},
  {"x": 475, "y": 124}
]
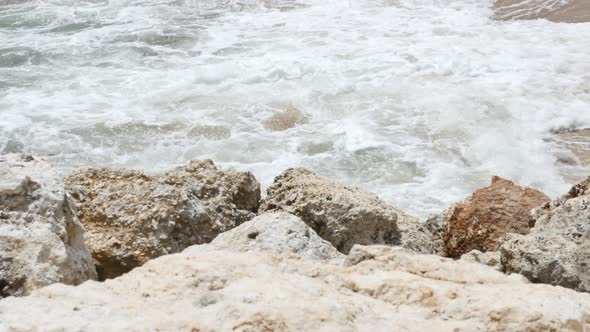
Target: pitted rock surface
[
  {"x": 132, "y": 217},
  {"x": 41, "y": 238},
  {"x": 342, "y": 215}
]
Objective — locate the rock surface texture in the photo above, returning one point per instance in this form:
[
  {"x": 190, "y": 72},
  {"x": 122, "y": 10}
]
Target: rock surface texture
[
  {"x": 344, "y": 216},
  {"x": 488, "y": 215},
  {"x": 41, "y": 239},
  {"x": 276, "y": 232},
  {"x": 380, "y": 289},
  {"x": 436, "y": 225},
  {"x": 557, "y": 250},
  {"x": 490, "y": 258},
  {"x": 132, "y": 217}
]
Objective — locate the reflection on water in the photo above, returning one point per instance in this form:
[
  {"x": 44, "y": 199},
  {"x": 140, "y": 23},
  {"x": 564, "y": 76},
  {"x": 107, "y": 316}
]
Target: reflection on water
[{"x": 572, "y": 11}]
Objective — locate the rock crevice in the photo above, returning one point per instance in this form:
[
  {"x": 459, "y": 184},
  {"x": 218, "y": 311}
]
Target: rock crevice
[
  {"x": 557, "y": 250},
  {"x": 41, "y": 238},
  {"x": 344, "y": 216}
]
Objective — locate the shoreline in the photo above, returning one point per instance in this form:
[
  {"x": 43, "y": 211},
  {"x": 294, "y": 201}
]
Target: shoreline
[
  {"x": 206, "y": 233},
  {"x": 573, "y": 11}
]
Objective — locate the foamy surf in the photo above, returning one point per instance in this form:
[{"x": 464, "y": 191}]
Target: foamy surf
[{"x": 418, "y": 101}]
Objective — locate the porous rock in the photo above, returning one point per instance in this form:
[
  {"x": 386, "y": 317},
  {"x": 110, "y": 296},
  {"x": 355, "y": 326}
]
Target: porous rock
[
  {"x": 344, "y": 216},
  {"x": 557, "y": 250},
  {"x": 41, "y": 239},
  {"x": 436, "y": 225},
  {"x": 276, "y": 232},
  {"x": 488, "y": 215},
  {"x": 380, "y": 289},
  {"x": 132, "y": 217},
  {"x": 490, "y": 258}
]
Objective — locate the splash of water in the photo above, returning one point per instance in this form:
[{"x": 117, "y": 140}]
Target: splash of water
[{"x": 419, "y": 101}]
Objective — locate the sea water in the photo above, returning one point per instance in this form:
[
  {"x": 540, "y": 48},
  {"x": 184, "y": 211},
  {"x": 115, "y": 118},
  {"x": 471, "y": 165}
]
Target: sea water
[{"x": 419, "y": 101}]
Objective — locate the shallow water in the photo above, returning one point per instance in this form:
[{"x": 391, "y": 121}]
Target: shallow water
[
  {"x": 419, "y": 101},
  {"x": 572, "y": 11}
]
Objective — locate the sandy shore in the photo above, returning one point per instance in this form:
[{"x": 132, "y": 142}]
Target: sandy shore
[
  {"x": 573, "y": 154},
  {"x": 572, "y": 11}
]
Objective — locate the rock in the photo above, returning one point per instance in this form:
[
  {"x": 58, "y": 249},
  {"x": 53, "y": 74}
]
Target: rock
[
  {"x": 436, "y": 225},
  {"x": 344, "y": 216},
  {"x": 490, "y": 258},
  {"x": 557, "y": 250},
  {"x": 276, "y": 232},
  {"x": 132, "y": 217},
  {"x": 284, "y": 120},
  {"x": 488, "y": 215},
  {"x": 41, "y": 239},
  {"x": 383, "y": 289}
]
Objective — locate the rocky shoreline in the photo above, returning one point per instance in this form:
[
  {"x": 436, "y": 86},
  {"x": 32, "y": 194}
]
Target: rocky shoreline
[{"x": 198, "y": 249}]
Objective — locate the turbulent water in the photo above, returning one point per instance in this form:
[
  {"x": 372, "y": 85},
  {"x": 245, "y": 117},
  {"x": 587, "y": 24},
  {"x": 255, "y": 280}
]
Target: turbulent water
[{"x": 419, "y": 101}]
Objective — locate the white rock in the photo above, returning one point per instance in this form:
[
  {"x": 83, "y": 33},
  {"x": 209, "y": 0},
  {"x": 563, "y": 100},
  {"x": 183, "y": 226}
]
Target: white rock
[
  {"x": 382, "y": 289},
  {"x": 557, "y": 250},
  {"x": 276, "y": 232},
  {"x": 342, "y": 215},
  {"x": 490, "y": 258},
  {"x": 41, "y": 239}
]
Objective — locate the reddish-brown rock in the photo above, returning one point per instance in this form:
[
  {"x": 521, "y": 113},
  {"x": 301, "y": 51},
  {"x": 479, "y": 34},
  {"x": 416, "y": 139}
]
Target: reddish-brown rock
[{"x": 489, "y": 214}]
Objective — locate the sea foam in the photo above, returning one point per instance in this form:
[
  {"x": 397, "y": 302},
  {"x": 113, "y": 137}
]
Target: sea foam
[{"x": 419, "y": 101}]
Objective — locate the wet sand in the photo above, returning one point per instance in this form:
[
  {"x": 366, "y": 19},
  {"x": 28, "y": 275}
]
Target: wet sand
[
  {"x": 573, "y": 154},
  {"x": 571, "y": 11}
]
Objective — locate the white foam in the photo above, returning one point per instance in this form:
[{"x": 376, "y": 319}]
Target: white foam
[{"x": 420, "y": 101}]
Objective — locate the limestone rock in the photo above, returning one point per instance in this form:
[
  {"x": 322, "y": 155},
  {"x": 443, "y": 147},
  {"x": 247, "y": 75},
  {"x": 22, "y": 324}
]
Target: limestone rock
[
  {"x": 488, "y": 215},
  {"x": 276, "y": 232},
  {"x": 41, "y": 239},
  {"x": 557, "y": 250},
  {"x": 387, "y": 289},
  {"x": 344, "y": 216},
  {"x": 132, "y": 217},
  {"x": 490, "y": 258},
  {"x": 436, "y": 225}
]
